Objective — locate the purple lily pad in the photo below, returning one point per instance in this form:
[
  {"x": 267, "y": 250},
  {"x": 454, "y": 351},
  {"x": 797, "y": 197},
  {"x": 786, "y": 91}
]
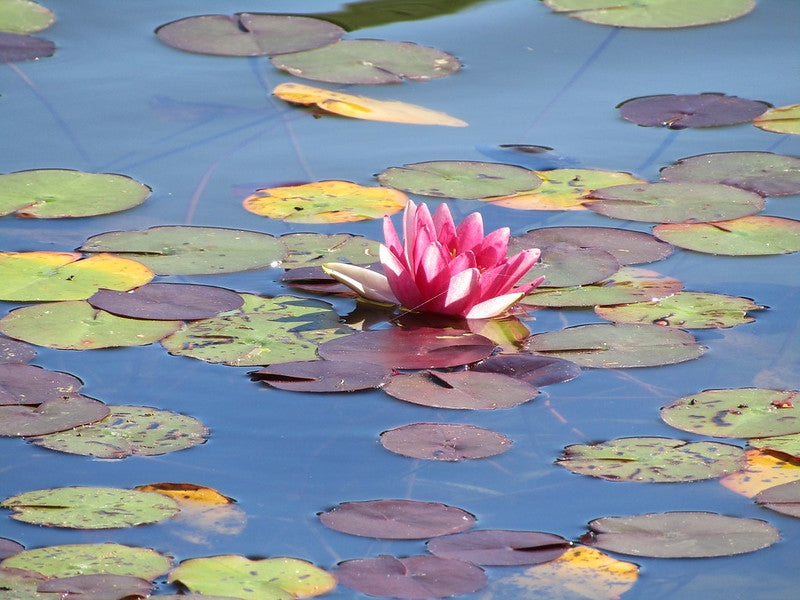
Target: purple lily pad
[
  {"x": 690, "y": 110},
  {"x": 97, "y": 586},
  {"x": 28, "y": 384},
  {"x": 323, "y": 376},
  {"x": 444, "y": 441},
  {"x": 50, "y": 416},
  {"x": 9, "y": 548},
  {"x": 14, "y": 351},
  {"x": 492, "y": 547},
  {"x": 414, "y": 577},
  {"x": 397, "y": 519},
  {"x": 315, "y": 280},
  {"x": 535, "y": 370},
  {"x": 167, "y": 301},
  {"x": 15, "y": 47},
  {"x": 784, "y": 498}
]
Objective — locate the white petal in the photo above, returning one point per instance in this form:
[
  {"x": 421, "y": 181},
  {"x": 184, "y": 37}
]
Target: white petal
[
  {"x": 365, "y": 282},
  {"x": 493, "y": 307}
]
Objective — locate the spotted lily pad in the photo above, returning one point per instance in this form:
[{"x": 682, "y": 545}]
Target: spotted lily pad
[
  {"x": 27, "y": 384},
  {"x": 444, "y": 441},
  {"x": 323, "y": 376},
  {"x": 57, "y": 414},
  {"x": 690, "y": 110},
  {"x": 653, "y": 460},
  {"x": 748, "y": 236},
  {"x": 782, "y": 119},
  {"x": 369, "y": 62},
  {"x": 500, "y": 547},
  {"x": 248, "y": 34},
  {"x": 736, "y": 413},
  {"x": 315, "y": 249},
  {"x": 459, "y": 179},
  {"x": 15, "y": 47},
  {"x": 24, "y": 16},
  {"x": 90, "y": 507},
  {"x": 780, "y": 444}
]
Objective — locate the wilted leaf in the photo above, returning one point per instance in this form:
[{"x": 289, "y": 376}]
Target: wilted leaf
[
  {"x": 27, "y": 384},
  {"x": 763, "y": 471},
  {"x": 491, "y": 547},
  {"x": 747, "y": 236},
  {"x": 15, "y": 47},
  {"x": 691, "y": 110},
  {"x": 24, "y": 16},
  {"x": 323, "y": 376},
  {"x": 187, "y": 492},
  {"x": 444, "y": 441},
  {"x": 56, "y": 414},
  {"x": 788, "y": 444},
  {"x": 782, "y": 119}
]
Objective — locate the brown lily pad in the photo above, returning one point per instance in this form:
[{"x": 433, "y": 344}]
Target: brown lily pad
[
  {"x": 323, "y": 376},
  {"x": 444, "y": 441},
  {"x": 28, "y": 384},
  {"x": 58, "y": 414},
  {"x": 690, "y": 110},
  {"x": 500, "y": 547}
]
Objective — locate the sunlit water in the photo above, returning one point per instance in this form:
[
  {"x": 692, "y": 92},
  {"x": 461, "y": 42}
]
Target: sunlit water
[{"x": 200, "y": 129}]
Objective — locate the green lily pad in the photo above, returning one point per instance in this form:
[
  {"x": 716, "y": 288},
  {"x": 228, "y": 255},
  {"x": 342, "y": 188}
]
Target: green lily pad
[
  {"x": 128, "y": 430},
  {"x": 369, "y": 62},
  {"x": 564, "y": 264},
  {"x": 84, "y": 559},
  {"x": 77, "y": 325},
  {"x": 782, "y": 444},
  {"x": 765, "y": 173},
  {"x": 748, "y": 236},
  {"x": 690, "y": 310},
  {"x": 459, "y": 179},
  {"x": 41, "y": 276},
  {"x": 781, "y": 119},
  {"x": 618, "y": 345},
  {"x": 653, "y": 460},
  {"x": 277, "y": 578},
  {"x": 90, "y": 507},
  {"x": 22, "y": 585},
  {"x": 264, "y": 331},
  {"x": 59, "y": 193},
  {"x": 669, "y": 202},
  {"x": 784, "y": 498},
  {"x": 56, "y": 414},
  {"x": 248, "y": 34},
  {"x": 628, "y": 284},
  {"x": 27, "y": 384},
  {"x": 315, "y": 249},
  {"x": 188, "y": 250},
  {"x": 736, "y": 413},
  {"x": 24, "y": 16},
  {"x": 653, "y": 14},
  {"x": 690, "y": 110}
]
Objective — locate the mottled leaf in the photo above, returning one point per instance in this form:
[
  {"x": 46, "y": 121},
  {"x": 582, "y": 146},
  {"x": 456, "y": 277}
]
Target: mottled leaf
[
  {"x": 763, "y": 471},
  {"x": 747, "y": 236},
  {"x": 315, "y": 249}
]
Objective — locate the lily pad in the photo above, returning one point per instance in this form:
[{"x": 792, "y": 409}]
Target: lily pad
[
  {"x": 459, "y": 179},
  {"x": 782, "y": 119},
  {"x": 167, "y": 301},
  {"x": 653, "y": 460},
  {"x": 85, "y": 559},
  {"x": 15, "y": 352},
  {"x": 690, "y": 110},
  {"x": 77, "y": 325},
  {"x": 780, "y": 444},
  {"x": 316, "y": 281},
  {"x": 97, "y": 587},
  {"x": 736, "y": 413},
  {"x": 27, "y": 384},
  {"x": 764, "y": 173},
  {"x": 397, "y": 519},
  {"x": 15, "y": 47},
  {"x": 248, "y": 34},
  {"x": 653, "y": 14},
  {"x": 264, "y": 331},
  {"x": 618, "y": 345},
  {"x": 564, "y": 264},
  {"x": 325, "y": 202},
  {"x": 90, "y": 507},
  {"x": 323, "y": 376},
  {"x": 189, "y": 250},
  {"x": 748, "y": 236},
  {"x": 629, "y": 284},
  {"x": 414, "y": 577},
  {"x": 315, "y": 249},
  {"x": 369, "y": 62},
  {"x": 9, "y": 548},
  {"x": 784, "y": 499},
  {"x": 444, "y": 441},
  {"x": 535, "y": 370},
  {"x": 21, "y": 584},
  {"x": 278, "y": 578},
  {"x": 53, "y": 415},
  {"x": 690, "y": 310},
  {"x": 59, "y": 193},
  {"x": 465, "y": 390},
  {"x": 675, "y": 202},
  {"x": 24, "y": 16},
  {"x": 128, "y": 430},
  {"x": 492, "y": 547},
  {"x": 680, "y": 535}
]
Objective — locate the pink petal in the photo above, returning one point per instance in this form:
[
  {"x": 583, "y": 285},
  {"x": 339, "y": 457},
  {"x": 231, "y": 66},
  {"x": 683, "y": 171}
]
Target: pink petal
[
  {"x": 445, "y": 227},
  {"x": 470, "y": 232},
  {"x": 502, "y": 278},
  {"x": 410, "y": 227},
  {"x": 365, "y": 282},
  {"x": 400, "y": 279},
  {"x": 494, "y": 248},
  {"x": 462, "y": 292},
  {"x": 390, "y": 237},
  {"x": 433, "y": 263},
  {"x": 493, "y": 307}
]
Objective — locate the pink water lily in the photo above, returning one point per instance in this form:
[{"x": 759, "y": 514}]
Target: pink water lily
[{"x": 442, "y": 268}]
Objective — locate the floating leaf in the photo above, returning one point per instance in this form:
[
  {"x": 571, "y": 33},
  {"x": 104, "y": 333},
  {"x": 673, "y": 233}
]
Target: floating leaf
[
  {"x": 563, "y": 265},
  {"x": 15, "y": 47},
  {"x": 325, "y": 202},
  {"x": 59, "y": 193},
  {"x": 764, "y": 173},
  {"x": 444, "y": 441},
  {"x": 653, "y": 460},
  {"x": 264, "y": 331},
  {"x": 27, "y": 384},
  {"x": 315, "y": 281},
  {"x": 369, "y": 62},
  {"x": 363, "y": 107},
  {"x": 57, "y": 414},
  {"x": 77, "y": 325},
  {"x": 736, "y": 413},
  {"x": 19, "y": 584},
  {"x": 747, "y": 236},
  {"x": 763, "y": 471},
  {"x": 653, "y": 14},
  {"x": 188, "y": 250},
  {"x": 97, "y": 587},
  {"x": 681, "y": 535},
  {"x": 15, "y": 352},
  {"x": 690, "y": 110},
  {"x": 90, "y": 507},
  {"x": 314, "y": 249},
  {"x": 85, "y": 559},
  {"x": 535, "y": 370},
  {"x": 38, "y": 276},
  {"x": 782, "y": 119},
  {"x": 129, "y": 430},
  {"x": 690, "y": 310},
  {"x": 413, "y": 577},
  {"x": 397, "y": 519},
  {"x": 459, "y": 179},
  {"x": 788, "y": 444},
  {"x": 9, "y": 548},
  {"x": 619, "y": 345},
  {"x": 500, "y": 547},
  {"x": 248, "y": 34},
  {"x": 675, "y": 202},
  {"x": 468, "y": 390},
  {"x": 784, "y": 499},
  {"x": 187, "y": 492},
  {"x": 563, "y": 189},
  {"x": 628, "y": 284},
  {"x": 167, "y": 301},
  {"x": 24, "y": 16},
  {"x": 277, "y": 578},
  {"x": 323, "y": 376}
]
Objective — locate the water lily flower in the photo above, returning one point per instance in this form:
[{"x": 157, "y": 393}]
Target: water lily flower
[{"x": 442, "y": 268}]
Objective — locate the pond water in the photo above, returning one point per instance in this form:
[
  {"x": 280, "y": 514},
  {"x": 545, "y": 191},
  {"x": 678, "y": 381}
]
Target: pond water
[{"x": 204, "y": 131}]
